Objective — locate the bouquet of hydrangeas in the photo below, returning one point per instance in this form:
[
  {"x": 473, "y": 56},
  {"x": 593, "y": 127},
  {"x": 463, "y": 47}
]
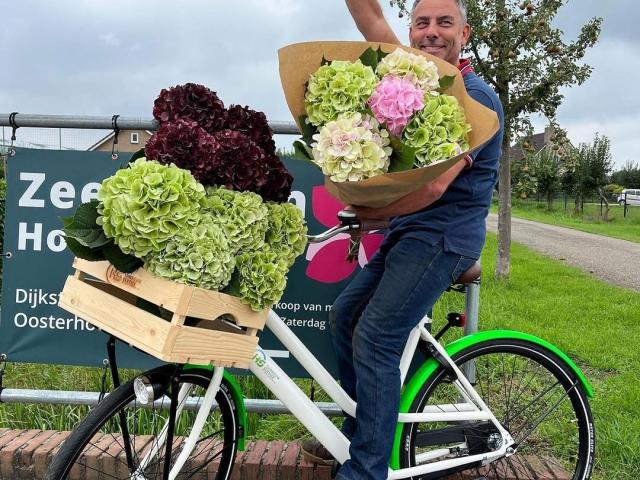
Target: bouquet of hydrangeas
[
  {"x": 208, "y": 210},
  {"x": 379, "y": 120}
]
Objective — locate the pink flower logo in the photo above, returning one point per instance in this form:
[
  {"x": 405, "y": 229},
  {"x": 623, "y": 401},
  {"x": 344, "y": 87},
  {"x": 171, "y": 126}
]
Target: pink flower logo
[{"x": 327, "y": 260}]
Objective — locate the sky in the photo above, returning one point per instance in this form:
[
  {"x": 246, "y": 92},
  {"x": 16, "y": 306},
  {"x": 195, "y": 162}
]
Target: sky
[{"x": 102, "y": 57}]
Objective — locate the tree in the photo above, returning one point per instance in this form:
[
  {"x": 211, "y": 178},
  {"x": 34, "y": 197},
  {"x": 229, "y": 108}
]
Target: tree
[
  {"x": 547, "y": 169},
  {"x": 628, "y": 176},
  {"x": 524, "y": 58},
  {"x": 588, "y": 172},
  {"x": 523, "y": 179}
]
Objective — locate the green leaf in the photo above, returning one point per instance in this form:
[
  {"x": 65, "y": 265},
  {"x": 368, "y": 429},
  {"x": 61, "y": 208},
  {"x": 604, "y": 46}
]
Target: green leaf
[
  {"x": 123, "y": 262},
  {"x": 308, "y": 130},
  {"x": 66, "y": 221},
  {"x": 85, "y": 215},
  {"x": 302, "y": 151},
  {"x": 138, "y": 154},
  {"x": 402, "y": 157},
  {"x": 446, "y": 83},
  {"x": 83, "y": 226},
  {"x": 233, "y": 288},
  {"x": 89, "y": 237},
  {"x": 370, "y": 58},
  {"x": 81, "y": 251},
  {"x": 381, "y": 54}
]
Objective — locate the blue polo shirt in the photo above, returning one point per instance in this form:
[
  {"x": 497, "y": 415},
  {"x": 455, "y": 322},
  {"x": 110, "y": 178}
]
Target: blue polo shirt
[{"x": 459, "y": 217}]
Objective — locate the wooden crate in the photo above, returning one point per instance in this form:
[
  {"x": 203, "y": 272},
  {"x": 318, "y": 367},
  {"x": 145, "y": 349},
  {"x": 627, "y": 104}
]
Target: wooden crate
[{"x": 108, "y": 301}]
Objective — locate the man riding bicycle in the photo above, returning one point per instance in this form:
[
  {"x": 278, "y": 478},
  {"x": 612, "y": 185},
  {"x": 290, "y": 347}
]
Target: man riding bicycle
[{"x": 435, "y": 234}]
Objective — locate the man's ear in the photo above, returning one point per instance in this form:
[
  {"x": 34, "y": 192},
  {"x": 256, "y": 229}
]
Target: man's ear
[{"x": 466, "y": 34}]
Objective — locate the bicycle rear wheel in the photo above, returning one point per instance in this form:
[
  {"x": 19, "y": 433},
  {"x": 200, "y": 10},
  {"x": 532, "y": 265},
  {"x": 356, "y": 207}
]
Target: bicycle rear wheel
[
  {"x": 533, "y": 394},
  {"x": 99, "y": 447}
]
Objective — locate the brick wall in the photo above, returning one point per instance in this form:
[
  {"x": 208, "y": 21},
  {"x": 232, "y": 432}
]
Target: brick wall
[{"x": 25, "y": 454}]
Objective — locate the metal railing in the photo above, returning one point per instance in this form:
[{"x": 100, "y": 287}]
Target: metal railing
[
  {"x": 62, "y": 397},
  {"x": 106, "y": 122}
]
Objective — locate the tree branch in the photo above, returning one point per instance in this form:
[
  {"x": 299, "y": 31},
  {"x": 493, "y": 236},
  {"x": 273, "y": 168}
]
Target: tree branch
[{"x": 482, "y": 65}]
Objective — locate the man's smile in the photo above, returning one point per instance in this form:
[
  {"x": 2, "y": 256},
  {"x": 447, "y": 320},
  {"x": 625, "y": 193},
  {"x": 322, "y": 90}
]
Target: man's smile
[{"x": 432, "y": 48}]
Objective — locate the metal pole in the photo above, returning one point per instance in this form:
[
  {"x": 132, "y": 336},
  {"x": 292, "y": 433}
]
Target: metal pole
[
  {"x": 472, "y": 309},
  {"x": 57, "y": 397},
  {"x": 105, "y": 122}
]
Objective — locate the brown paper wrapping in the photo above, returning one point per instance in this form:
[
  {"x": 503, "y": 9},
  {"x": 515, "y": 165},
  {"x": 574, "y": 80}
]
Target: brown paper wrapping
[{"x": 300, "y": 60}]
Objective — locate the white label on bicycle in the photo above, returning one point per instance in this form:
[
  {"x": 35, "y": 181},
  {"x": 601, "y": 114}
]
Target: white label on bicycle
[{"x": 260, "y": 359}]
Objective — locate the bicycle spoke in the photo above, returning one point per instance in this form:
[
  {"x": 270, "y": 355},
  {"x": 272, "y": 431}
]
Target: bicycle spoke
[
  {"x": 104, "y": 454},
  {"x": 528, "y": 399}
]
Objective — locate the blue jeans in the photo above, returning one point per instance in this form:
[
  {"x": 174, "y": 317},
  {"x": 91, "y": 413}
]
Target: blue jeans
[{"x": 371, "y": 321}]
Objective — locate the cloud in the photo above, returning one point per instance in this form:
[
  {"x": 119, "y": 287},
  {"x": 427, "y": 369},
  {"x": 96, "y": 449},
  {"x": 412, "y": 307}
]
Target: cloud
[
  {"x": 110, "y": 39},
  {"x": 102, "y": 57}
]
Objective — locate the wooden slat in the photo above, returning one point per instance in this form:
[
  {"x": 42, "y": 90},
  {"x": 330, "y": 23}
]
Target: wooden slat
[
  {"x": 141, "y": 283},
  {"x": 109, "y": 304},
  {"x": 209, "y": 305},
  {"x": 130, "y": 298},
  {"x": 200, "y": 344},
  {"x": 115, "y": 316}
]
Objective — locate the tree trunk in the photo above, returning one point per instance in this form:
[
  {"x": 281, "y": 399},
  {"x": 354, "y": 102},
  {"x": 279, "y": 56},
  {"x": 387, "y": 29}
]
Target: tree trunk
[
  {"x": 578, "y": 203},
  {"x": 603, "y": 198},
  {"x": 503, "y": 255}
]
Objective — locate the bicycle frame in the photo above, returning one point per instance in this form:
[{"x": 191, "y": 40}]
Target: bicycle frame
[{"x": 282, "y": 386}]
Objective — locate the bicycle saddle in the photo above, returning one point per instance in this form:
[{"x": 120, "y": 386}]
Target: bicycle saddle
[{"x": 470, "y": 275}]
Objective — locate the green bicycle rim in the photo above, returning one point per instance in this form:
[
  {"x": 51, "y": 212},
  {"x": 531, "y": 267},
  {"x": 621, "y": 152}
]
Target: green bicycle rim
[{"x": 428, "y": 368}]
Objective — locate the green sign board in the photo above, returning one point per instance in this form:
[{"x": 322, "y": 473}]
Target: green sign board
[{"x": 44, "y": 185}]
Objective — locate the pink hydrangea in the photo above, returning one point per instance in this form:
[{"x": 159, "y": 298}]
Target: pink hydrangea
[{"x": 394, "y": 101}]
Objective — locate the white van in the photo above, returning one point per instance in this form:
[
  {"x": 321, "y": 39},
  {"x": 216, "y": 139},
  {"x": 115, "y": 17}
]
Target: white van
[{"x": 630, "y": 195}]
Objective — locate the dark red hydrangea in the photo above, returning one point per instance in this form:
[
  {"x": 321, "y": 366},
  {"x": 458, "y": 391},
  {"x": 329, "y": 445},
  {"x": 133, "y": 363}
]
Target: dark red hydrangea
[
  {"x": 186, "y": 145},
  {"x": 240, "y": 163},
  {"x": 191, "y": 102},
  {"x": 278, "y": 185},
  {"x": 253, "y": 124}
]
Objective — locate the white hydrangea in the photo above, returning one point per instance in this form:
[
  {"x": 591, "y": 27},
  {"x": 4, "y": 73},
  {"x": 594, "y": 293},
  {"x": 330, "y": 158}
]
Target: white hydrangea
[
  {"x": 352, "y": 148},
  {"x": 416, "y": 68}
]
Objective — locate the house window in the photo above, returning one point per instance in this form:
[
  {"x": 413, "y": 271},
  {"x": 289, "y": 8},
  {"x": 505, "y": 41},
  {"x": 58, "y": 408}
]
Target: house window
[{"x": 134, "y": 137}]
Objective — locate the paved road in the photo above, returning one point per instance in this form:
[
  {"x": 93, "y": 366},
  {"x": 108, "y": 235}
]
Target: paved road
[{"x": 615, "y": 261}]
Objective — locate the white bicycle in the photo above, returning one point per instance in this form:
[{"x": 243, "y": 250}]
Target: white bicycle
[{"x": 500, "y": 400}]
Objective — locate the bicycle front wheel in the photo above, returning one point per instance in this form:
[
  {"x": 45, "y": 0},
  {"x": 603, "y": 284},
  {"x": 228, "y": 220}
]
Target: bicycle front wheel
[
  {"x": 532, "y": 393},
  {"x": 123, "y": 439}
]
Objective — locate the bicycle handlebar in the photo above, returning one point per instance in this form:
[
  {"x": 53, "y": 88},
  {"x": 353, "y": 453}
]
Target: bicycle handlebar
[{"x": 349, "y": 222}]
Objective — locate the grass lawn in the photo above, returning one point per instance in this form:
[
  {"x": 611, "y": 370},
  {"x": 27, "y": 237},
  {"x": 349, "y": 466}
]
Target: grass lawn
[
  {"x": 598, "y": 325},
  {"x": 618, "y": 226}
]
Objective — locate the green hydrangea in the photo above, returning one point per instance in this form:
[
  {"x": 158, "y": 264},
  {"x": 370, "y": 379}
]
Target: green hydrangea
[
  {"x": 197, "y": 256},
  {"x": 241, "y": 215},
  {"x": 260, "y": 278},
  {"x": 421, "y": 72},
  {"x": 338, "y": 87},
  {"x": 286, "y": 235},
  {"x": 142, "y": 207},
  {"x": 439, "y": 131},
  {"x": 352, "y": 148}
]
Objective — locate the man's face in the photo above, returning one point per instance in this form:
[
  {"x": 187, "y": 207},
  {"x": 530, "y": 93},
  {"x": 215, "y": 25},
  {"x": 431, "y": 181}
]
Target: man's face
[{"x": 437, "y": 28}]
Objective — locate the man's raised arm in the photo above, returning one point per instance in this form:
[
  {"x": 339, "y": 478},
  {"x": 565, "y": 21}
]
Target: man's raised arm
[{"x": 371, "y": 22}]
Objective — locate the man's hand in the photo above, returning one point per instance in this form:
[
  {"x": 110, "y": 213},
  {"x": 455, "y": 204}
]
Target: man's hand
[
  {"x": 415, "y": 201},
  {"x": 371, "y": 22}
]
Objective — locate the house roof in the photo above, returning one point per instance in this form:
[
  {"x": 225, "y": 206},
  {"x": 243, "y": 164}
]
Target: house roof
[
  {"x": 104, "y": 140},
  {"x": 537, "y": 141}
]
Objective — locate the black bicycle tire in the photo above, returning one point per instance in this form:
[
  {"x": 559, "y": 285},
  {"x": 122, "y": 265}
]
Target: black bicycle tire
[
  {"x": 584, "y": 468},
  {"x": 82, "y": 434}
]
